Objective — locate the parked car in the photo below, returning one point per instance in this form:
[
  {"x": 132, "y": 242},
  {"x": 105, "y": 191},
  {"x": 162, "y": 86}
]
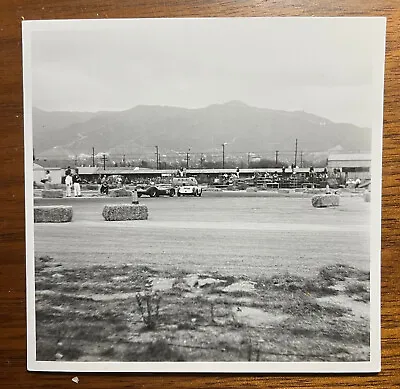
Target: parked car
[{"x": 186, "y": 186}]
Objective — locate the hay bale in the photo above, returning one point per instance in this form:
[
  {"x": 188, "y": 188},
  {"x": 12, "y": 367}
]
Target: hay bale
[
  {"x": 125, "y": 212},
  {"x": 314, "y": 191},
  {"x": 251, "y": 189},
  {"x": 40, "y": 185},
  {"x": 325, "y": 200},
  {"x": 52, "y": 214},
  {"x": 120, "y": 192},
  {"x": 90, "y": 187},
  {"x": 367, "y": 196},
  {"x": 52, "y": 193}
]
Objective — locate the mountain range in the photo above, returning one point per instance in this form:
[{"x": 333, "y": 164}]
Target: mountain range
[{"x": 242, "y": 127}]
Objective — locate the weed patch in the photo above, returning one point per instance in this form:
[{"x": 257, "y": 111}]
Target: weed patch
[{"x": 116, "y": 313}]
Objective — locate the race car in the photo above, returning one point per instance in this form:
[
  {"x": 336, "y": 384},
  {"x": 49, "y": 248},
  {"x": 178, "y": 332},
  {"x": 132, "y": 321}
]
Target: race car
[
  {"x": 187, "y": 186},
  {"x": 155, "y": 190}
]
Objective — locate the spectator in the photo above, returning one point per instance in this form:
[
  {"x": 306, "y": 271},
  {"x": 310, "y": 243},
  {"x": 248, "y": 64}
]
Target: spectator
[
  {"x": 99, "y": 183},
  {"x": 77, "y": 184},
  {"x": 327, "y": 189},
  {"x": 104, "y": 186},
  {"x": 47, "y": 180},
  {"x": 68, "y": 184}
]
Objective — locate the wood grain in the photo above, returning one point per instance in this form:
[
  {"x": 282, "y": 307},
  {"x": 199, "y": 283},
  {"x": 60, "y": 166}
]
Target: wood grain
[{"x": 12, "y": 269}]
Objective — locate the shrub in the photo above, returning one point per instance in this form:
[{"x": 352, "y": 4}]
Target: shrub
[
  {"x": 149, "y": 306},
  {"x": 340, "y": 272}
]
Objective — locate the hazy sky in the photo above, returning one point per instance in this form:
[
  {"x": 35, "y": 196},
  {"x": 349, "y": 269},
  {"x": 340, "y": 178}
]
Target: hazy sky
[{"x": 325, "y": 67}]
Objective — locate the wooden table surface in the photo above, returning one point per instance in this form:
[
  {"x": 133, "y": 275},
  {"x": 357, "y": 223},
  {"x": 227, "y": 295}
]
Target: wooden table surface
[{"x": 13, "y": 372}]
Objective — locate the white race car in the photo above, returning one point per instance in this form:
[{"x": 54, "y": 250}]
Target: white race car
[{"x": 187, "y": 186}]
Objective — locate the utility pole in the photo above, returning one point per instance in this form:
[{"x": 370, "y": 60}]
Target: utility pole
[
  {"x": 157, "y": 158},
  {"x": 104, "y": 161},
  {"x": 301, "y": 159},
  {"x": 34, "y": 158},
  {"x": 223, "y": 155},
  {"x": 295, "y": 155},
  {"x": 276, "y": 157},
  {"x": 93, "y": 156},
  {"x": 248, "y": 160},
  {"x": 187, "y": 159},
  {"x": 201, "y": 160}
]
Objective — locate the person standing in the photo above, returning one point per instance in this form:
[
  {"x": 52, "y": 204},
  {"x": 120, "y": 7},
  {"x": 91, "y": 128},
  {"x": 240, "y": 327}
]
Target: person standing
[
  {"x": 99, "y": 183},
  {"x": 104, "y": 186},
  {"x": 68, "y": 184},
  {"x": 47, "y": 180},
  {"x": 77, "y": 184}
]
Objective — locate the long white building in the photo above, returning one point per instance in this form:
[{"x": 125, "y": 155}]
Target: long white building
[{"x": 352, "y": 165}]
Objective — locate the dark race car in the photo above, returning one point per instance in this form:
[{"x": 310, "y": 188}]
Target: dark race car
[{"x": 155, "y": 190}]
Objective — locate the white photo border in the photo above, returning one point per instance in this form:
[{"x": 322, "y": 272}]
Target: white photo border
[{"x": 374, "y": 365}]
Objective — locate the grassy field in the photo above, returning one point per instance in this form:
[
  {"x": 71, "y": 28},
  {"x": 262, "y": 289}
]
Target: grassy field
[{"x": 134, "y": 313}]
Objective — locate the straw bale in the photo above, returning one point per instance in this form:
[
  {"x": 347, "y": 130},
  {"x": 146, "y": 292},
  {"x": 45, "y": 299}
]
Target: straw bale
[
  {"x": 116, "y": 212},
  {"x": 325, "y": 200},
  {"x": 52, "y": 193},
  {"x": 52, "y": 214},
  {"x": 367, "y": 197},
  {"x": 120, "y": 192}
]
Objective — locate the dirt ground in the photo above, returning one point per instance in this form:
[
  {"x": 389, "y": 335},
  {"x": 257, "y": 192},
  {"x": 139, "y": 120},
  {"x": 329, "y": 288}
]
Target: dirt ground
[
  {"x": 133, "y": 313},
  {"x": 205, "y": 279},
  {"x": 237, "y": 236}
]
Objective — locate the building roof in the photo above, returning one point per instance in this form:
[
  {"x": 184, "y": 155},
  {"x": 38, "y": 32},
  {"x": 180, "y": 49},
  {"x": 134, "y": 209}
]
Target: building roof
[
  {"x": 88, "y": 170},
  {"x": 136, "y": 171},
  {"x": 37, "y": 167},
  {"x": 350, "y": 157}
]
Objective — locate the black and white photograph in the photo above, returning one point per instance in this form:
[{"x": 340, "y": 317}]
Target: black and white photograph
[{"x": 203, "y": 194}]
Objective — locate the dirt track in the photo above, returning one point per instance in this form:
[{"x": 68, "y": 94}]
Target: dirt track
[{"x": 239, "y": 236}]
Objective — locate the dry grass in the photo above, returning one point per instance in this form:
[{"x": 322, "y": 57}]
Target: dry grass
[{"x": 93, "y": 314}]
